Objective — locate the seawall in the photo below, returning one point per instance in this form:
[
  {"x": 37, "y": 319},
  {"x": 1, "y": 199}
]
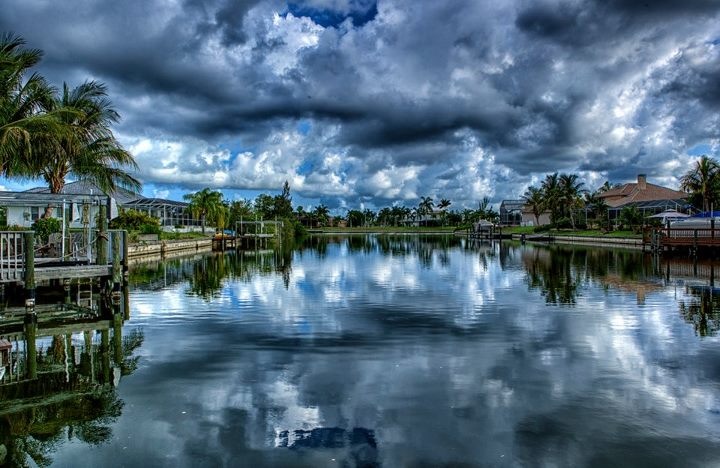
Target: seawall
[{"x": 136, "y": 252}]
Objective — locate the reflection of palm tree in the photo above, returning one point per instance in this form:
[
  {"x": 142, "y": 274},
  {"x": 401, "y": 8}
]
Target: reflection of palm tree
[
  {"x": 703, "y": 311},
  {"x": 553, "y": 275}
]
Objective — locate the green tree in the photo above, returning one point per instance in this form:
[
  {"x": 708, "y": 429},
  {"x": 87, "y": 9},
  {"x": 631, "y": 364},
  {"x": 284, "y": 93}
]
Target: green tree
[
  {"x": 631, "y": 217},
  {"x": 551, "y": 194},
  {"x": 264, "y": 206},
  {"x": 443, "y": 206},
  {"x": 596, "y": 209},
  {"x": 23, "y": 105},
  {"x": 425, "y": 207},
  {"x": 703, "y": 183},
  {"x": 283, "y": 203},
  {"x": 87, "y": 148},
  {"x": 570, "y": 193},
  {"x": 239, "y": 210},
  {"x": 534, "y": 198},
  {"x": 205, "y": 204},
  {"x": 321, "y": 214}
]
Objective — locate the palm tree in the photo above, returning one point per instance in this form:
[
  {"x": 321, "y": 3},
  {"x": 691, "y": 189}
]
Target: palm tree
[
  {"x": 23, "y": 105},
  {"x": 205, "y": 204},
  {"x": 607, "y": 186},
  {"x": 534, "y": 198},
  {"x": 443, "y": 205},
  {"x": 321, "y": 213},
  {"x": 87, "y": 148},
  {"x": 551, "y": 194},
  {"x": 425, "y": 207},
  {"x": 703, "y": 182},
  {"x": 570, "y": 195}
]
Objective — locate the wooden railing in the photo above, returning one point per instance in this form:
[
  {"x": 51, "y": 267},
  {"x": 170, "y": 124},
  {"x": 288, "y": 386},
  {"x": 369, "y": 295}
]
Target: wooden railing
[
  {"x": 12, "y": 251},
  {"x": 682, "y": 236},
  {"x": 75, "y": 249}
]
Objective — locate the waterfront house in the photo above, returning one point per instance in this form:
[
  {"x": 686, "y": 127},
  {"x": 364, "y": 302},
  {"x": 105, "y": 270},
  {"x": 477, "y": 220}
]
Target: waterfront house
[
  {"x": 648, "y": 198},
  {"x": 23, "y": 208},
  {"x": 511, "y": 212}
]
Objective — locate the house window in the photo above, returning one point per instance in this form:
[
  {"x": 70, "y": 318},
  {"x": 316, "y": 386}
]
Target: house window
[{"x": 34, "y": 213}]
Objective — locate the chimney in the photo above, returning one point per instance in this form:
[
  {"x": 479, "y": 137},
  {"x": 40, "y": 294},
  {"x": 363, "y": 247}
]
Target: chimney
[{"x": 642, "y": 181}]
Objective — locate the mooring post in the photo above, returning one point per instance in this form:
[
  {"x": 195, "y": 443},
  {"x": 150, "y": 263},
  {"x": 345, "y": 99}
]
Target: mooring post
[
  {"x": 30, "y": 324},
  {"x": 29, "y": 254},
  {"x": 125, "y": 256},
  {"x": 101, "y": 243},
  {"x": 116, "y": 265}
]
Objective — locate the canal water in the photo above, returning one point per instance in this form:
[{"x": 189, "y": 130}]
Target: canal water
[{"x": 400, "y": 351}]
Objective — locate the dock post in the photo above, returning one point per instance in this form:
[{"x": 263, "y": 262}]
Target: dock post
[
  {"x": 101, "y": 242},
  {"x": 116, "y": 264},
  {"x": 125, "y": 257},
  {"x": 29, "y": 254},
  {"x": 30, "y": 324}
]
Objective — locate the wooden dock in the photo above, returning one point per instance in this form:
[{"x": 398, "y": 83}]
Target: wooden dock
[
  {"x": 672, "y": 239},
  {"x": 25, "y": 262}
]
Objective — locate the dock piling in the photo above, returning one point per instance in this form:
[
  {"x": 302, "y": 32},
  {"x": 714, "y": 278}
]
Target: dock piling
[
  {"x": 117, "y": 267},
  {"x": 30, "y": 324},
  {"x": 102, "y": 238},
  {"x": 29, "y": 277}
]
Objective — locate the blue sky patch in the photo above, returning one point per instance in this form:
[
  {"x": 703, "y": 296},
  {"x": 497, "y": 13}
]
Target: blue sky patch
[{"x": 360, "y": 13}]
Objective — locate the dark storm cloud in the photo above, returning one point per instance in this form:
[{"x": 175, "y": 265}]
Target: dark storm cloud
[{"x": 510, "y": 89}]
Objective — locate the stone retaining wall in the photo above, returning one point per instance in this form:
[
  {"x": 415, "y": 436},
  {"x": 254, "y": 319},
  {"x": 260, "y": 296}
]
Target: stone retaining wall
[
  {"x": 601, "y": 241},
  {"x": 162, "y": 247}
]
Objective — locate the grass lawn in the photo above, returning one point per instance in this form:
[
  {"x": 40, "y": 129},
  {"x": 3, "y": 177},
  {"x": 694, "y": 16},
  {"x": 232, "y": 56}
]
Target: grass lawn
[{"x": 529, "y": 230}]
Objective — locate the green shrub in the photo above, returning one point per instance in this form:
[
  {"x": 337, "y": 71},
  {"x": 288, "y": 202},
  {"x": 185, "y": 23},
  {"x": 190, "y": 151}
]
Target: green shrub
[
  {"x": 133, "y": 220},
  {"x": 150, "y": 229},
  {"x": 43, "y": 227},
  {"x": 537, "y": 229}
]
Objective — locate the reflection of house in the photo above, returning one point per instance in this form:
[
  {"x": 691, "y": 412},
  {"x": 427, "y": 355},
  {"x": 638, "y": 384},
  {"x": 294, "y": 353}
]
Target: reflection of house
[
  {"x": 648, "y": 198},
  {"x": 639, "y": 287},
  {"x": 511, "y": 212}
]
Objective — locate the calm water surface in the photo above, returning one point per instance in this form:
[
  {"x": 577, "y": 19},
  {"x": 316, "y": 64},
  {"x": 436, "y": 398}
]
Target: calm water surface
[{"x": 406, "y": 351}]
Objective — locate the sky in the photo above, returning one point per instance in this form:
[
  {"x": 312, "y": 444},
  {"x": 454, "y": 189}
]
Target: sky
[{"x": 365, "y": 104}]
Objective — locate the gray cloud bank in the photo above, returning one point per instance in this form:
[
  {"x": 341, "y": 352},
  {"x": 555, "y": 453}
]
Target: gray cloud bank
[{"x": 355, "y": 101}]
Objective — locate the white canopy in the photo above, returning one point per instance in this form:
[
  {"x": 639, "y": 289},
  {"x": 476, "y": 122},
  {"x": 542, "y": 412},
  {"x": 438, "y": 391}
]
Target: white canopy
[{"x": 669, "y": 214}]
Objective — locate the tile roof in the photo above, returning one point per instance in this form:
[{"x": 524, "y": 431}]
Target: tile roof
[{"x": 632, "y": 193}]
